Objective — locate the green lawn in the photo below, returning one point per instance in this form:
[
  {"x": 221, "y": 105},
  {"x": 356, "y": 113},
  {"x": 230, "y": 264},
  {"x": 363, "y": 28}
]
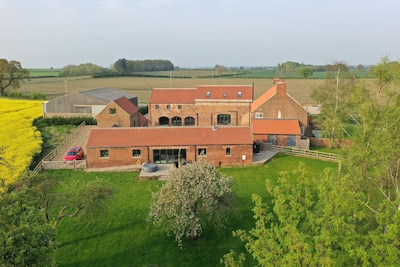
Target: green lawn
[{"x": 121, "y": 236}]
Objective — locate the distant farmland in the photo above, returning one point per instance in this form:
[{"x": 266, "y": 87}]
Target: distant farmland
[
  {"x": 141, "y": 86},
  {"x": 53, "y": 86}
]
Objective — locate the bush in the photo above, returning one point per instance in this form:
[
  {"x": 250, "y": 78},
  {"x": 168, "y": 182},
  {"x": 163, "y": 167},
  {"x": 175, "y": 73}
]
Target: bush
[
  {"x": 42, "y": 122},
  {"x": 37, "y": 96},
  {"x": 144, "y": 110},
  {"x": 14, "y": 94}
]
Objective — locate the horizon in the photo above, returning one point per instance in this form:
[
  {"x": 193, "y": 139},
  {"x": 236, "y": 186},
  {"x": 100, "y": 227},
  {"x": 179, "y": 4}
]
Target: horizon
[{"x": 189, "y": 33}]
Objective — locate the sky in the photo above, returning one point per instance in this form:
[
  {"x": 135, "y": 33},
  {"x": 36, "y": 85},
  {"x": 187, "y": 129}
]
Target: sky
[{"x": 199, "y": 33}]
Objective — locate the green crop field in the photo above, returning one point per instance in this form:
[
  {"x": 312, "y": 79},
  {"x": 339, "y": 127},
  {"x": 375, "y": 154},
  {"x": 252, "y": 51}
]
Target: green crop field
[
  {"x": 120, "y": 236},
  {"x": 34, "y": 73}
]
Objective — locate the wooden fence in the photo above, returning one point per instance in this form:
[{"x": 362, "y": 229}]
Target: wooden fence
[
  {"x": 60, "y": 147},
  {"x": 304, "y": 152},
  {"x": 56, "y": 165}
]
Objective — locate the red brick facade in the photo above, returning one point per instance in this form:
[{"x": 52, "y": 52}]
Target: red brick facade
[
  {"x": 201, "y": 106},
  {"x": 277, "y": 104},
  {"x": 225, "y": 146},
  {"x": 216, "y": 155},
  {"x": 114, "y": 115},
  {"x": 120, "y": 113}
]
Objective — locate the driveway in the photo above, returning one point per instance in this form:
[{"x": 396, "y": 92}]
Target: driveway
[{"x": 79, "y": 139}]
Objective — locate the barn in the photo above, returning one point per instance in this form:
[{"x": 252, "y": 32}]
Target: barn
[{"x": 84, "y": 103}]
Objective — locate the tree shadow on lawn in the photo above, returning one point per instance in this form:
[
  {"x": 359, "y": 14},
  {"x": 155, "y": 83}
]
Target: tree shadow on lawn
[
  {"x": 100, "y": 234},
  {"x": 152, "y": 248}
]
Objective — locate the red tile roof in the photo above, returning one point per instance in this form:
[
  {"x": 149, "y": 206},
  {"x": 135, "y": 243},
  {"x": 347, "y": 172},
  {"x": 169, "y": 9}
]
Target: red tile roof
[
  {"x": 275, "y": 126},
  {"x": 143, "y": 121},
  {"x": 264, "y": 98},
  {"x": 126, "y": 105},
  {"x": 222, "y": 92},
  {"x": 169, "y": 136},
  {"x": 175, "y": 96},
  {"x": 190, "y": 95}
]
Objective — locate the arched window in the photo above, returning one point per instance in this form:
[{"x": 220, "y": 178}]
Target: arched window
[
  {"x": 163, "y": 121},
  {"x": 189, "y": 121},
  {"x": 279, "y": 114},
  {"x": 224, "y": 119},
  {"x": 176, "y": 121}
]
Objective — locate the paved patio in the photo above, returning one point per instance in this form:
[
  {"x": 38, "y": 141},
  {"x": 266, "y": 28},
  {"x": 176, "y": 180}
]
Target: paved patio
[{"x": 163, "y": 169}]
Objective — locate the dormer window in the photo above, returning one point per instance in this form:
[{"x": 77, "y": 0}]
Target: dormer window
[
  {"x": 239, "y": 93},
  {"x": 208, "y": 94}
]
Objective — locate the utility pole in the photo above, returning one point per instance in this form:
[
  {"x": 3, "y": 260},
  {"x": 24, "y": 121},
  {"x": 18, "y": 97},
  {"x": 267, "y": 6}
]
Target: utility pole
[{"x": 65, "y": 85}]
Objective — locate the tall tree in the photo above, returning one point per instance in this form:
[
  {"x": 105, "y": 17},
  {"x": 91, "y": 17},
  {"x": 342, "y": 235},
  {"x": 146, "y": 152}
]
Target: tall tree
[
  {"x": 310, "y": 222},
  {"x": 81, "y": 199},
  {"x": 348, "y": 219},
  {"x": 333, "y": 96},
  {"x": 25, "y": 238},
  {"x": 385, "y": 73},
  {"x": 121, "y": 66},
  {"x": 219, "y": 69},
  {"x": 11, "y": 75},
  {"x": 193, "y": 195},
  {"x": 305, "y": 72}
]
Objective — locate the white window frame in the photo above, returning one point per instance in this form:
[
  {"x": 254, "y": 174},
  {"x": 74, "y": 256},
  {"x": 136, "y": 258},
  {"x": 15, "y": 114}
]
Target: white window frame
[{"x": 259, "y": 115}]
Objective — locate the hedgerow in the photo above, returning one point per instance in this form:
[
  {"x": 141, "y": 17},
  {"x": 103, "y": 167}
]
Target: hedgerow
[
  {"x": 64, "y": 121},
  {"x": 20, "y": 140}
]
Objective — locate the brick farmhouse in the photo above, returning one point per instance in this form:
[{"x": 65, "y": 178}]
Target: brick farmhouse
[{"x": 218, "y": 123}]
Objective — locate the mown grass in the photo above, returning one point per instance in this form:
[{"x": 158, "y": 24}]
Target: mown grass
[{"x": 121, "y": 236}]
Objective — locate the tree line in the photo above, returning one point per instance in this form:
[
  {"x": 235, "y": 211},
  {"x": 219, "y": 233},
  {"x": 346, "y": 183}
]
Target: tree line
[
  {"x": 125, "y": 66},
  {"x": 307, "y": 70}
]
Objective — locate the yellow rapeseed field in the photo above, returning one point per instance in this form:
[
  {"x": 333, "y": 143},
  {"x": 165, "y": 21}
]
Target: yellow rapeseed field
[{"x": 19, "y": 139}]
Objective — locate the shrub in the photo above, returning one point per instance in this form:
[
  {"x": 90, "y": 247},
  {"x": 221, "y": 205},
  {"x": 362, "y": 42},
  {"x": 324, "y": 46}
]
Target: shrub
[
  {"x": 37, "y": 96},
  {"x": 42, "y": 122}
]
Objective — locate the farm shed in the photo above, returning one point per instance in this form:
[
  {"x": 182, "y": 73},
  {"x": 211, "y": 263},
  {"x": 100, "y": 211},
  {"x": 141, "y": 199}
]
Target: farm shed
[
  {"x": 221, "y": 146},
  {"x": 84, "y": 103}
]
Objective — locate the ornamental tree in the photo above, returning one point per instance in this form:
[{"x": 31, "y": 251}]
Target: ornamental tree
[{"x": 194, "y": 194}]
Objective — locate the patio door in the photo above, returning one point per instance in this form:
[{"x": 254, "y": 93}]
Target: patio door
[{"x": 168, "y": 156}]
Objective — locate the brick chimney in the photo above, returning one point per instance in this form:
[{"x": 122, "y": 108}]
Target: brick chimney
[
  {"x": 277, "y": 80},
  {"x": 281, "y": 88}
]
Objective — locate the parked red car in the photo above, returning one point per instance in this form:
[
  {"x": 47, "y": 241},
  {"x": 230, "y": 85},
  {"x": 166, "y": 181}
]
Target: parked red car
[{"x": 75, "y": 153}]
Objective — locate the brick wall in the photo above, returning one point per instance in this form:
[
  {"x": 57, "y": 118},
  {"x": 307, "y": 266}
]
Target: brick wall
[
  {"x": 284, "y": 106},
  {"x": 280, "y": 140},
  {"x": 117, "y": 157},
  {"x": 216, "y": 155},
  {"x": 120, "y": 118},
  {"x": 204, "y": 113},
  {"x": 187, "y": 110}
]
